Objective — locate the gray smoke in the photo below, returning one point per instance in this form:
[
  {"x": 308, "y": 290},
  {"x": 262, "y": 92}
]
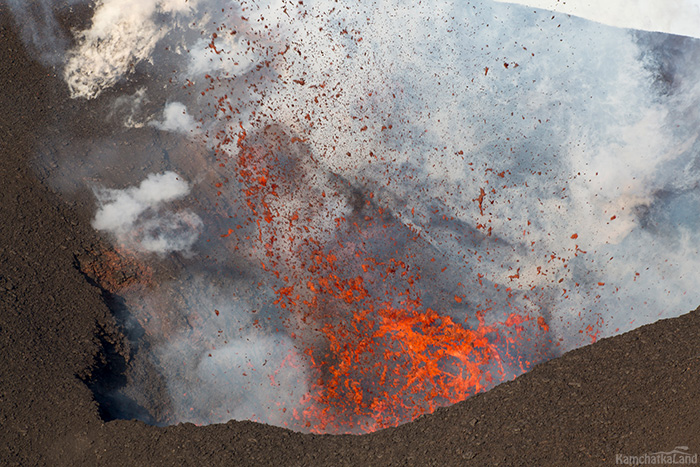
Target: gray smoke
[{"x": 40, "y": 28}]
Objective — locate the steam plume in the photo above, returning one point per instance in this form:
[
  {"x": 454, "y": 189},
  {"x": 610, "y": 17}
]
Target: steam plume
[
  {"x": 135, "y": 218},
  {"x": 176, "y": 119}
]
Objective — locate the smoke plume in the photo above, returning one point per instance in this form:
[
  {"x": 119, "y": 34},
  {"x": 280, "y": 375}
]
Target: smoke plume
[{"x": 136, "y": 218}]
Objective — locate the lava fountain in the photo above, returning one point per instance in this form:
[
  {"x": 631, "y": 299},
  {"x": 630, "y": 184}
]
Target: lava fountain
[{"x": 326, "y": 222}]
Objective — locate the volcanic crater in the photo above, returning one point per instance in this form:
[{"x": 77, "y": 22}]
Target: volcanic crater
[{"x": 82, "y": 334}]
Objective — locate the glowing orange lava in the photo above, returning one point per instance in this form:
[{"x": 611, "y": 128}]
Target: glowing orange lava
[{"x": 379, "y": 356}]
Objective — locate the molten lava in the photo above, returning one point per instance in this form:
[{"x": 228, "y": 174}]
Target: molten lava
[{"x": 379, "y": 356}]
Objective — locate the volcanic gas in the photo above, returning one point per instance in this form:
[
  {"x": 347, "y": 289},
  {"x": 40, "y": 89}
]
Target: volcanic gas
[{"x": 336, "y": 217}]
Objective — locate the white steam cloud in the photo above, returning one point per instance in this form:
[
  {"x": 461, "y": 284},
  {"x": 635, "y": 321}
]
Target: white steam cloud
[
  {"x": 176, "y": 119},
  {"x": 122, "y": 34},
  {"x": 224, "y": 364},
  {"x": 135, "y": 216},
  {"x": 253, "y": 377},
  {"x": 127, "y": 109}
]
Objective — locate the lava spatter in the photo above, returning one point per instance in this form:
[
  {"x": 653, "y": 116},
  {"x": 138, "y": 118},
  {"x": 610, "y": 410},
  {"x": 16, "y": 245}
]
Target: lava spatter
[
  {"x": 375, "y": 224},
  {"x": 352, "y": 303}
]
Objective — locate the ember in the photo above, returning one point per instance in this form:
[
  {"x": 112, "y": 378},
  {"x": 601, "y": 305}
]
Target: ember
[{"x": 379, "y": 356}]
